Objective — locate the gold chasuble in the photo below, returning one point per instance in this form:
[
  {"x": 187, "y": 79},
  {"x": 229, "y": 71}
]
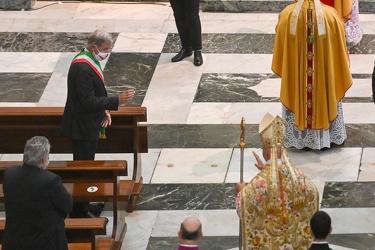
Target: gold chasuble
[
  {"x": 311, "y": 57},
  {"x": 277, "y": 204},
  {"x": 343, "y": 8}
]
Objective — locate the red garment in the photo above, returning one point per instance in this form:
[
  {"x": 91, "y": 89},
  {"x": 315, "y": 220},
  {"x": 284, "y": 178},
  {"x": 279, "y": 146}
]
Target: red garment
[{"x": 328, "y": 2}]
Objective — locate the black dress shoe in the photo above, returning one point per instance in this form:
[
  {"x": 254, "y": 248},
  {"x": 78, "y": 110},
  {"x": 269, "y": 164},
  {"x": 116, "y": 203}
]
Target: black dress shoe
[
  {"x": 184, "y": 52},
  {"x": 91, "y": 215},
  {"x": 198, "y": 59},
  {"x": 96, "y": 209}
]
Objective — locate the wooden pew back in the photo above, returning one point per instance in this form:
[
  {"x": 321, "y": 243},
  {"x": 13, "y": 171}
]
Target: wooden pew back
[
  {"x": 88, "y": 181},
  {"x": 125, "y": 135},
  {"x": 81, "y": 233},
  {"x": 18, "y": 124}
]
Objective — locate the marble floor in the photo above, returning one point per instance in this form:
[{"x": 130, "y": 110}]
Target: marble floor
[{"x": 194, "y": 112}]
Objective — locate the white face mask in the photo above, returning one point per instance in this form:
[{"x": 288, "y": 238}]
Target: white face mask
[{"x": 101, "y": 55}]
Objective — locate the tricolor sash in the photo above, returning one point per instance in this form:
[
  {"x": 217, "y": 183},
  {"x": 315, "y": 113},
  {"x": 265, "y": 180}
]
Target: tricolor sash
[{"x": 86, "y": 57}]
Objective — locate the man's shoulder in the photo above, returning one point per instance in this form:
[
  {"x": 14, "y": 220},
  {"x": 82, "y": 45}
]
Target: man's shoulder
[
  {"x": 79, "y": 65},
  {"x": 315, "y": 246},
  {"x": 12, "y": 169}
]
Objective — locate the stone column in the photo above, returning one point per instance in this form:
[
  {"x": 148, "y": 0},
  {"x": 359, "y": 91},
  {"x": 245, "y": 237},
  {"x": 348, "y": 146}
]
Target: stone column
[{"x": 17, "y": 4}]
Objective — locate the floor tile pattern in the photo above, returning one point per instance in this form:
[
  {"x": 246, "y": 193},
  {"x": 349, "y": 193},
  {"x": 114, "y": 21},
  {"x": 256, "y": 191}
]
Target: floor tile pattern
[{"x": 194, "y": 113}]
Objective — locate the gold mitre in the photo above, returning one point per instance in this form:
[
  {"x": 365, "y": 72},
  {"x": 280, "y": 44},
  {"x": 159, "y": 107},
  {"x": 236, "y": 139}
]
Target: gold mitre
[{"x": 272, "y": 130}]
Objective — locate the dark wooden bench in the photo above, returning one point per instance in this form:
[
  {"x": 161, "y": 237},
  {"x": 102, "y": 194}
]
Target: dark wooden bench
[
  {"x": 81, "y": 233},
  {"x": 125, "y": 135},
  {"x": 89, "y": 181}
]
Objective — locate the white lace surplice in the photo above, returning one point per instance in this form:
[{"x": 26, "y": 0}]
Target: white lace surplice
[
  {"x": 353, "y": 30},
  {"x": 312, "y": 138}
]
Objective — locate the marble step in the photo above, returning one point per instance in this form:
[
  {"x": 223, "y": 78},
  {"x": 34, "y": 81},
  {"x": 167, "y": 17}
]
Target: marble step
[
  {"x": 239, "y": 6},
  {"x": 233, "y": 6}
]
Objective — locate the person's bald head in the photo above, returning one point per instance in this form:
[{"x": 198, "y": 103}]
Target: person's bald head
[{"x": 191, "y": 229}]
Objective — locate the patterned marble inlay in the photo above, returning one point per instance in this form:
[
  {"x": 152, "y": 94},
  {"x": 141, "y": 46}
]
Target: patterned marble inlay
[
  {"x": 130, "y": 70},
  {"x": 44, "y": 41},
  {"x": 227, "y": 43},
  {"x": 366, "y": 45},
  {"x": 186, "y": 197},
  {"x": 22, "y": 87},
  {"x": 229, "y": 88},
  {"x": 240, "y": 43},
  {"x": 250, "y": 43},
  {"x": 348, "y": 194},
  {"x": 360, "y": 135},
  {"x": 226, "y": 87},
  {"x": 17, "y": 4}
]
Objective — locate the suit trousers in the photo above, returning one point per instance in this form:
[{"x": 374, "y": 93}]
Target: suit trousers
[
  {"x": 84, "y": 149},
  {"x": 186, "y": 14}
]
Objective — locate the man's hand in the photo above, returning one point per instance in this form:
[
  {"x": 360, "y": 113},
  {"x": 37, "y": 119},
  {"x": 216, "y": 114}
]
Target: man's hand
[
  {"x": 126, "y": 96},
  {"x": 107, "y": 119},
  {"x": 240, "y": 186},
  {"x": 260, "y": 165}
]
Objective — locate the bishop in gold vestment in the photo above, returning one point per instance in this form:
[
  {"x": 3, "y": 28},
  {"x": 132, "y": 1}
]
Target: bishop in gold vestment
[
  {"x": 311, "y": 57},
  {"x": 277, "y": 204}
]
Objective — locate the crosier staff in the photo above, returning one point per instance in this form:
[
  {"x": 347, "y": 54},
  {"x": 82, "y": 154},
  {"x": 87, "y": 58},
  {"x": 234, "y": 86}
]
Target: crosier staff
[{"x": 242, "y": 147}]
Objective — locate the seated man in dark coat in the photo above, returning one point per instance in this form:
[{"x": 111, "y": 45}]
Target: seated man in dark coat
[{"x": 36, "y": 202}]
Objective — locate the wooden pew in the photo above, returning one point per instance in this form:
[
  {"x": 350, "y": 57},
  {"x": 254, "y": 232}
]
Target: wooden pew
[
  {"x": 81, "y": 232},
  {"x": 88, "y": 181},
  {"x": 125, "y": 135}
]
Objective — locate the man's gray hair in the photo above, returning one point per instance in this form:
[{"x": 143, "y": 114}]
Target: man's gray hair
[
  {"x": 35, "y": 149},
  {"x": 99, "y": 37}
]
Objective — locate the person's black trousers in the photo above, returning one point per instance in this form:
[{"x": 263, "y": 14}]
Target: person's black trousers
[
  {"x": 188, "y": 23},
  {"x": 82, "y": 150}
]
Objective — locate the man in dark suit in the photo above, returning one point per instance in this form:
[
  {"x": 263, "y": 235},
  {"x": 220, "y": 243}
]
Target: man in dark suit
[
  {"x": 87, "y": 104},
  {"x": 320, "y": 225},
  {"x": 36, "y": 202}
]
